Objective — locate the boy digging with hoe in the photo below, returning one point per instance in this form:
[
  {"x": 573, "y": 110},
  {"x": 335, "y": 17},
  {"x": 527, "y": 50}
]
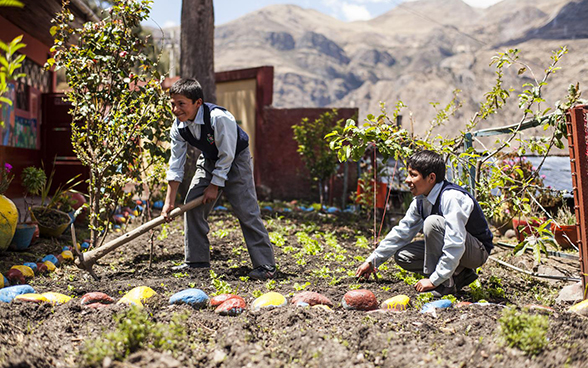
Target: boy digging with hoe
[
  {"x": 223, "y": 166},
  {"x": 456, "y": 235}
]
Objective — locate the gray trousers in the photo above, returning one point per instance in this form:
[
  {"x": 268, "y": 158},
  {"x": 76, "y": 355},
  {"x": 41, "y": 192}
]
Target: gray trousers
[
  {"x": 422, "y": 256},
  {"x": 240, "y": 191}
]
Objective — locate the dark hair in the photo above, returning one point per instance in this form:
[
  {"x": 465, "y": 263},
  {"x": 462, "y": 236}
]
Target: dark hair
[
  {"x": 188, "y": 88},
  {"x": 427, "y": 162}
]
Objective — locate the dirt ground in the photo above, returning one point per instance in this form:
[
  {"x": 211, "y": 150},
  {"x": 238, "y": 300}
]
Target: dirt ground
[{"x": 42, "y": 335}]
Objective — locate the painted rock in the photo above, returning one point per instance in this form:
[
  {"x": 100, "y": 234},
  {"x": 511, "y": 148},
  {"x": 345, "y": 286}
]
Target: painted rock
[
  {"x": 51, "y": 258},
  {"x": 27, "y": 272},
  {"x": 9, "y": 293},
  {"x": 56, "y": 298},
  {"x": 437, "y": 304},
  {"x": 32, "y": 265},
  {"x": 8, "y": 221},
  {"x": 540, "y": 308},
  {"x": 3, "y": 281},
  {"x": 15, "y": 276},
  {"x": 311, "y": 298},
  {"x": 96, "y": 297},
  {"x": 67, "y": 255},
  {"x": 59, "y": 260},
  {"x": 462, "y": 304},
  {"x": 137, "y": 296},
  {"x": 30, "y": 297},
  {"x": 396, "y": 303},
  {"x": 231, "y": 307},
  {"x": 579, "y": 308},
  {"x": 65, "y": 247},
  {"x": 361, "y": 299},
  {"x": 323, "y": 307},
  {"x": 269, "y": 300},
  {"x": 193, "y": 297},
  {"x": 42, "y": 268},
  {"x": 220, "y": 299},
  {"x": 96, "y": 306},
  {"x": 85, "y": 245},
  {"x": 50, "y": 266}
]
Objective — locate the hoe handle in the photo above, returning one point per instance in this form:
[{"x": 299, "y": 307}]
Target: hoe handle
[{"x": 92, "y": 256}]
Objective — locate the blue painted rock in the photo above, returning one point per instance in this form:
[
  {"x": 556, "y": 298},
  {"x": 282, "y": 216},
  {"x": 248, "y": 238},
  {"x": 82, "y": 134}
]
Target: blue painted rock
[
  {"x": 50, "y": 266},
  {"x": 397, "y": 303},
  {"x": 269, "y": 300},
  {"x": 56, "y": 298},
  {"x": 85, "y": 245},
  {"x": 361, "y": 299},
  {"x": 220, "y": 208},
  {"x": 15, "y": 276},
  {"x": 32, "y": 265},
  {"x": 540, "y": 308},
  {"x": 51, "y": 258},
  {"x": 96, "y": 297},
  {"x": 9, "y": 293},
  {"x": 65, "y": 247},
  {"x": 158, "y": 205},
  {"x": 231, "y": 307},
  {"x": 220, "y": 299},
  {"x": 437, "y": 304},
  {"x": 579, "y": 308},
  {"x": 137, "y": 296},
  {"x": 42, "y": 268},
  {"x": 26, "y": 271},
  {"x": 311, "y": 298},
  {"x": 193, "y": 297}
]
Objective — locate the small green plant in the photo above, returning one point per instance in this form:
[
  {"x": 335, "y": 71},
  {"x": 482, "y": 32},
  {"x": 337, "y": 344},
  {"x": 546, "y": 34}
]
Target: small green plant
[
  {"x": 451, "y": 298},
  {"x": 409, "y": 278},
  {"x": 354, "y": 286},
  {"x": 221, "y": 286},
  {"x": 323, "y": 272},
  {"x": 179, "y": 275},
  {"x": 33, "y": 181},
  {"x": 493, "y": 289},
  {"x": 524, "y": 331},
  {"x": 244, "y": 278},
  {"x": 299, "y": 287},
  {"x": 310, "y": 245},
  {"x": 277, "y": 239},
  {"x": 221, "y": 233},
  {"x": 362, "y": 242},
  {"x": 422, "y": 299},
  {"x": 270, "y": 285},
  {"x": 164, "y": 232},
  {"x": 257, "y": 293}
]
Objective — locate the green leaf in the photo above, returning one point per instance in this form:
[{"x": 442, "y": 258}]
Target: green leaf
[{"x": 14, "y": 3}]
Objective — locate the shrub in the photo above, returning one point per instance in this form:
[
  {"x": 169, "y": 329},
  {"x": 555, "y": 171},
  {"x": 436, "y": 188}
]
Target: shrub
[{"x": 524, "y": 331}]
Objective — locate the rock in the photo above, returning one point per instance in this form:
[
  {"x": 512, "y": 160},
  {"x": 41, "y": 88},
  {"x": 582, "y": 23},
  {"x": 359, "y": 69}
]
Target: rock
[
  {"x": 67, "y": 255},
  {"x": 3, "y": 281},
  {"x": 96, "y": 305},
  {"x": 56, "y": 298},
  {"x": 361, "y": 299},
  {"x": 231, "y": 307},
  {"x": 50, "y": 266},
  {"x": 137, "y": 296},
  {"x": 540, "y": 308},
  {"x": 193, "y": 297},
  {"x": 27, "y": 272},
  {"x": 42, "y": 268},
  {"x": 579, "y": 308},
  {"x": 220, "y": 299},
  {"x": 9, "y": 293},
  {"x": 269, "y": 300},
  {"x": 30, "y": 297},
  {"x": 571, "y": 293},
  {"x": 510, "y": 233},
  {"x": 96, "y": 297},
  {"x": 323, "y": 307},
  {"x": 396, "y": 303},
  {"x": 51, "y": 258},
  {"x": 32, "y": 265},
  {"x": 462, "y": 304},
  {"x": 59, "y": 260},
  {"x": 437, "y": 304},
  {"x": 311, "y": 298},
  {"x": 15, "y": 276}
]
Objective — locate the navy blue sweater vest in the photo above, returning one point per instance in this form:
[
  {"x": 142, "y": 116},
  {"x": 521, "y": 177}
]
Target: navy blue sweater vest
[
  {"x": 477, "y": 225},
  {"x": 206, "y": 143}
]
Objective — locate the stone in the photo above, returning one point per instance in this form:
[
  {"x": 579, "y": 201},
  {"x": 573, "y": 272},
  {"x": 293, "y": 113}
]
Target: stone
[
  {"x": 462, "y": 304},
  {"x": 510, "y": 233},
  {"x": 31, "y": 297},
  {"x": 32, "y": 265},
  {"x": 96, "y": 297},
  {"x": 42, "y": 268},
  {"x": 15, "y": 276},
  {"x": 27, "y": 272},
  {"x": 323, "y": 307},
  {"x": 59, "y": 260},
  {"x": 437, "y": 304},
  {"x": 56, "y": 298},
  {"x": 361, "y": 299},
  {"x": 137, "y": 296},
  {"x": 579, "y": 308},
  {"x": 540, "y": 308},
  {"x": 311, "y": 298},
  {"x": 51, "y": 258},
  {"x": 67, "y": 255},
  {"x": 269, "y": 300},
  {"x": 7, "y": 294},
  {"x": 397, "y": 303},
  {"x": 193, "y": 297},
  {"x": 571, "y": 293},
  {"x": 231, "y": 307},
  {"x": 95, "y": 305},
  {"x": 3, "y": 281},
  {"x": 220, "y": 299},
  {"x": 50, "y": 266}
]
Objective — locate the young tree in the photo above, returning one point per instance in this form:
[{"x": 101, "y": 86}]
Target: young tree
[{"x": 119, "y": 107}]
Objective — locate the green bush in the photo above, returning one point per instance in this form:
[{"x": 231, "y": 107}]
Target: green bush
[{"x": 524, "y": 331}]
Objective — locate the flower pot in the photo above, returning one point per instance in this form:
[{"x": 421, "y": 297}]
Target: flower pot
[
  {"x": 523, "y": 228},
  {"x": 568, "y": 230},
  {"x": 381, "y": 193},
  {"x": 8, "y": 221},
  {"x": 23, "y": 236},
  {"x": 52, "y": 222}
]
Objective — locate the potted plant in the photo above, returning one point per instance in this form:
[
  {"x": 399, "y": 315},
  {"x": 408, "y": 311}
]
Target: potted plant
[
  {"x": 565, "y": 228},
  {"x": 33, "y": 181},
  {"x": 8, "y": 211}
]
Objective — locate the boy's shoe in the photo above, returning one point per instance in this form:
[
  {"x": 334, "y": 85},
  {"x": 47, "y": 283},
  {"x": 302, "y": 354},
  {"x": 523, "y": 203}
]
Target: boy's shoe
[
  {"x": 443, "y": 290},
  {"x": 465, "y": 277},
  {"x": 263, "y": 272},
  {"x": 188, "y": 265}
]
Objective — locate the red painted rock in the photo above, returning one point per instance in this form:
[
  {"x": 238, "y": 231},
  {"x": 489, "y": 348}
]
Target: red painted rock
[
  {"x": 42, "y": 268},
  {"x": 311, "y": 298},
  {"x": 60, "y": 259},
  {"x": 361, "y": 299},
  {"x": 15, "y": 276},
  {"x": 96, "y": 306},
  {"x": 231, "y": 307},
  {"x": 462, "y": 304},
  {"x": 220, "y": 299},
  {"x": 96, "y": 297}
]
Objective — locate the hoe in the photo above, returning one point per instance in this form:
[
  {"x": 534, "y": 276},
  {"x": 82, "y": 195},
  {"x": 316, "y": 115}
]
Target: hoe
[{"x": 88, "y": 259}]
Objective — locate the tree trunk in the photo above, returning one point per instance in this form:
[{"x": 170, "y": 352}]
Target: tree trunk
[{"x": 197, "y": 61}]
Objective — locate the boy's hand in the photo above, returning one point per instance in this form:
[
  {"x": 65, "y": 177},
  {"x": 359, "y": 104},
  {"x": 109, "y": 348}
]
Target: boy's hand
[
  {"x": 165, "y": 211},
  {"x": 424, "y": 285},
  {"x": 210, "y": 193},
  {"x": 365, "y": 270}
]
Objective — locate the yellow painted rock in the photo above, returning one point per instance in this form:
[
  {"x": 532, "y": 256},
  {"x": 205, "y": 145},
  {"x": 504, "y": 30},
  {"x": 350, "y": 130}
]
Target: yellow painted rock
[
  {"x": 67, "y": 255},
  {"x": 50, "y": 266},
  {"x": 2, "y": 281},
  {"x": 8, "y": 220},
  {"x": 137, "y": 296},
  {"x": 31, "y": 297},
  {"x": 580, "y": 308},
  {"x": 397, "y": 303},
  {"x": 27, "y": 272},
  {"x": 323, "y": 307},
  {"x": 56, "y": 298},
  {"x": 269, "y": 300}
]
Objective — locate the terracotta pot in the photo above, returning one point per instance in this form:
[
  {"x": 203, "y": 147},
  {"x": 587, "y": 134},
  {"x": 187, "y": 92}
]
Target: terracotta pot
[
  {"x": 8, "y": 221},
  {"x": 522, "y": 228},
  {"x": 569, "y": 230},
  {"x": 55, "y": 229}
]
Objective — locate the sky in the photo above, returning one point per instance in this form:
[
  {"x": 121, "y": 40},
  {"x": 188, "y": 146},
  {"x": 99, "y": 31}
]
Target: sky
[{"x": 166, "y": 13}]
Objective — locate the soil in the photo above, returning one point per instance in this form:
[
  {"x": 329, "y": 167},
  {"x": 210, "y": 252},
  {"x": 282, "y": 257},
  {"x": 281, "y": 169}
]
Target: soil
[
  {"x": 50, "y": 218},
  {"x": 42, "y": 335}
]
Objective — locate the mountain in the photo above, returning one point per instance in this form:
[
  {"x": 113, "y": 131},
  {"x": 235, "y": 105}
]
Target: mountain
[{"x": 419, "y": 52}]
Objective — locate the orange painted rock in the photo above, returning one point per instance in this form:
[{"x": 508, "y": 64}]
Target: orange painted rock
[
  {"x": 361, "y": 299},
  {"x": 96, "y": 297},
  {"x": 462, "y": 304},
  {"x": 311, "y": 298},
  {"x": 220, "y": 299},
  {"x": 231, "y": 307},
  {"x": 15, "y": 276}
]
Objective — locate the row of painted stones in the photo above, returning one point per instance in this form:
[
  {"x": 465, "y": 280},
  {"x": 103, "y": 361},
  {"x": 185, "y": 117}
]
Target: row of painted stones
[{"x": 20, "y": 274}]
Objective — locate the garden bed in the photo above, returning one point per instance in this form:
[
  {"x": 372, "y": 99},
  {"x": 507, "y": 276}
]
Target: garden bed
[{"x": 41, "y": 335}]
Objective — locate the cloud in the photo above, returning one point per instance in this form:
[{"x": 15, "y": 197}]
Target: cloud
[{"x": 353, "y": 12}]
